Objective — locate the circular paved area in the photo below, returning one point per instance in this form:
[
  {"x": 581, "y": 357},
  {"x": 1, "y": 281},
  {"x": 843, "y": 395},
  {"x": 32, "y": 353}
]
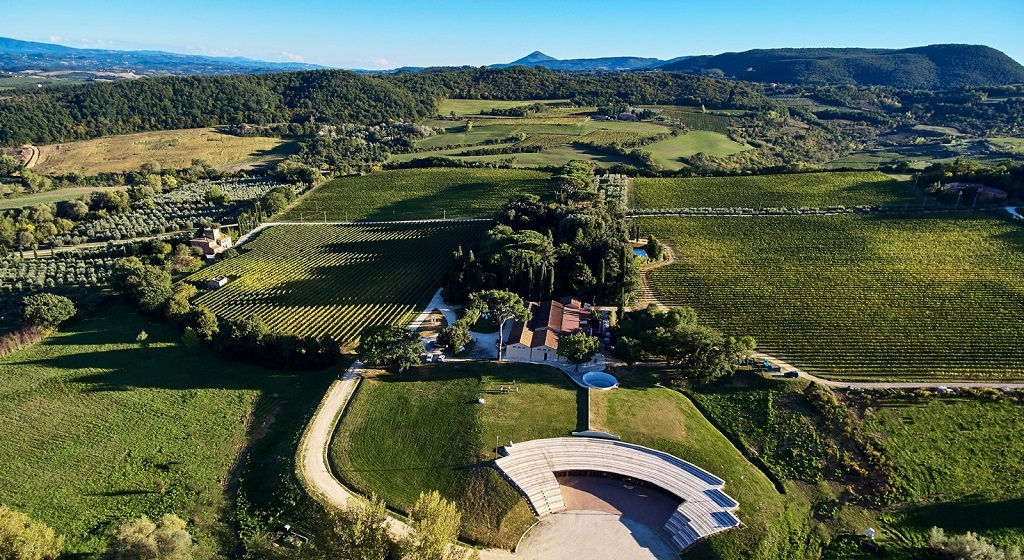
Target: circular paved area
[{"x": 592, "y": 535}]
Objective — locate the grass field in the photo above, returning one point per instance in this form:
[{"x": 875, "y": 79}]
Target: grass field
[
  {"x": 857, "y": 297},
  {"x": 475, "y": 106},
  {"x": 403, "y": 435},
  {"x": 962, "y": 464},
  {"x": 94, "y": 429},
  {"x": 170, "y": 149},
  {"x": 666, "y": 153},
  {"x": 418, "y": 194},
  {"x": 1009, "y": 144},
  {"x": 775, "y": 525},
  {"x": 328, "y": 280},
  {"x": 773, "y": 191},
  {"x": 551, "y": 156},
  {"x": 50, "y": 197}
]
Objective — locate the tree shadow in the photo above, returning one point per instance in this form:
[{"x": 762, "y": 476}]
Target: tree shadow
[{"x": 967, "y": 515}]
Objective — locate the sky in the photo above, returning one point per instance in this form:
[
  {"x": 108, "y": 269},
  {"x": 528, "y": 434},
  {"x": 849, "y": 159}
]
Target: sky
[{"x": 378, "y": 34}]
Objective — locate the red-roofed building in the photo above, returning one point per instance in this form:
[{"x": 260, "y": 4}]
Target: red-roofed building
[
  {"x": 537, "y": 339},
  {"x": 989, "y": 193},
  {"x": 212, "y": 243}
]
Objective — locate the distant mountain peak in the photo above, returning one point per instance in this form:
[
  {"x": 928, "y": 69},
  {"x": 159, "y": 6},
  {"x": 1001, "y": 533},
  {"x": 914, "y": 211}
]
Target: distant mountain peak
[{"x": 534, "y": 58}]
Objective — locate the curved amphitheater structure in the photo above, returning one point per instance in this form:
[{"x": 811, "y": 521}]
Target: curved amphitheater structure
[{"x": 703, "y": 509}]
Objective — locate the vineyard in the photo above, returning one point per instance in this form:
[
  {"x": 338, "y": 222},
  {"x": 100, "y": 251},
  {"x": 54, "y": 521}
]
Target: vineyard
[
  {"x": 333, "y": 280},
  {"x": 857, "y": 296},
  {"x": 417, "y": 194},
  {"x": 809, "y": 190}
]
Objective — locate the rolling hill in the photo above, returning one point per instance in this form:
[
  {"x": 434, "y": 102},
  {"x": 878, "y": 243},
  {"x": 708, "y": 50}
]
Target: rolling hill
[{"x": 936, "y": 67}]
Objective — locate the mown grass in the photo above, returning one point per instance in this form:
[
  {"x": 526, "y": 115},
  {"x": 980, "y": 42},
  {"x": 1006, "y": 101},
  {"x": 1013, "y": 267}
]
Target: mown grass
[
  {"x": 961, "y": 463},
  {"x": 403, "y": 435},
  {"x": 868, "y": 297},
  {"x": 94, "y": 429},
  {"x": 666, "y": 153},
  {"x": 775, "y": 524},
  {"x": 773, "y": 191},
  {"x": 171, "y": 149},
  {"x": 418, "y": 194}
]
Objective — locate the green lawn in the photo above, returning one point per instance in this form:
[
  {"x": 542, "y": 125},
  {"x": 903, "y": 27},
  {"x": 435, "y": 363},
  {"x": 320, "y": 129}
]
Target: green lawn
[
  {"x": 403, "y": 435},
  {"x": 771, "y": 191},
  {"x": 775, "y": 524},
  {"x": 418, "y": 194},
  {"x": 94, "y": 429},
  {"x": 857, "y": 297},
  {"x": 666, "y": 153},
  {"x": 962, "y": 464}
]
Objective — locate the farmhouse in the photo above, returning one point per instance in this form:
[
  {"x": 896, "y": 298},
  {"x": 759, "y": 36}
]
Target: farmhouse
[
  {"x": 537, "y": 339},
  {"x": 989, "y": 193},
  {"x": 217, "y": 282},
  {"x": 213, "y": 242}
]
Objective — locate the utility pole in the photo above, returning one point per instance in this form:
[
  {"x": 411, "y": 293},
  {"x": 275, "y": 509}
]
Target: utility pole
[{"x": 958, "y": 195}]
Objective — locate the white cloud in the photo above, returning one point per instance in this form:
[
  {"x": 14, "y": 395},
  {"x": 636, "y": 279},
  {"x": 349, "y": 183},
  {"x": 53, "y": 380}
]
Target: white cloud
[
  {"x": 382, "y": 62},
  {"x": 54, "y": 38}
]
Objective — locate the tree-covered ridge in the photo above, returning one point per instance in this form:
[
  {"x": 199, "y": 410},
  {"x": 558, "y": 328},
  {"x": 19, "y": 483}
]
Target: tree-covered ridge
[
  {"x": 62, "y": 114},
  {"x": 92, "y": 110},
  {"x": 524, "y": 83},
  {"x": 941, "y": 67}
]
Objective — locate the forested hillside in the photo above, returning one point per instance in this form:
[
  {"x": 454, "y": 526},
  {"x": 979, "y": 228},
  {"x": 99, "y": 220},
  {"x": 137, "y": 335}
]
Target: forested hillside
[
  {"x": 62, "y": 114},
  {"x": 936, "y": 67}
]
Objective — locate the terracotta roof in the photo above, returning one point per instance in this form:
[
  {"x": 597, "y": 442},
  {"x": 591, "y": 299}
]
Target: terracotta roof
[{"x": 548, "y": 321}]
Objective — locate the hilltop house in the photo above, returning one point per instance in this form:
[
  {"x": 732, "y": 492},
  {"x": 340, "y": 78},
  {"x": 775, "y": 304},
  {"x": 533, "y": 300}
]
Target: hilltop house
[
  {"x": 537, "y": 339},
  {"x": 989, "y": 193},
  {"x": 212, "y": 243}
]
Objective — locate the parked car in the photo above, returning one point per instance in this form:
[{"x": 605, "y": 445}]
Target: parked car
[
  {"x": 791, "y": 374},
  {"x": 440, "y": 357}
]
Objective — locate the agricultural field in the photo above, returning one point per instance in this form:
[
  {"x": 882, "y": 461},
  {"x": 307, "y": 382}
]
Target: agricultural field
[
  {"x": 666, "y": 153},
  {"x": 961, "y": 461},
  {"x": 1008, "y": 144},
  {"x": 695, "y": 119},
  {"x": 95, "y": 429},
  {"x": 333, "y": 280},
  {"x": 476, "y": 106},
  {"x": 182, "y": 209},
  {"x": 422, "y": 431},
  {"x": 550, "y": 156},
  {"x": 418, "y": 194},
  {"x": 812, "y": 190},
  {"x": 775, "y": 525},
  {"x": 857, "y": 297},
  {"x": 171, "y": 149},
  {"x": 49, "y": 197}
]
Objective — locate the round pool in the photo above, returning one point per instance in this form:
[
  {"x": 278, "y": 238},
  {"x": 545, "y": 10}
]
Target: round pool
[{"x": 600, "y": 380}]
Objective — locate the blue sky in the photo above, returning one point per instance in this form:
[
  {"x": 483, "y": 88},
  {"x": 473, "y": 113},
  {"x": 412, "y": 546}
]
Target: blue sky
[{"x": 387, "y": 34}]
